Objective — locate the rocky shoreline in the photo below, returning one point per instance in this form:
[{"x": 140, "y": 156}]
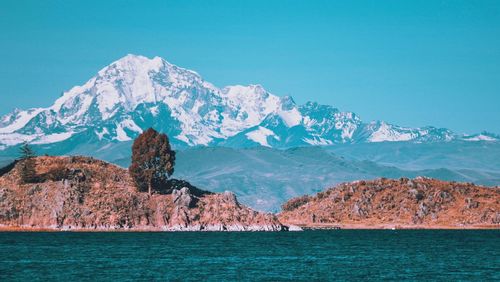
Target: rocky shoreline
[
  {"x": 394, "y": 227},
  {"x": 79, "y": 193},
  {"x": 178, "y": 228},
  {"x": 86, "y": 195}
]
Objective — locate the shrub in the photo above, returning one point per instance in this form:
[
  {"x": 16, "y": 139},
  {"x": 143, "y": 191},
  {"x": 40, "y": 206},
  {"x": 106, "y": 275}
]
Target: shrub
[
  {"x": 295, "y": 203},
  {"x": 28, "y": 172}
]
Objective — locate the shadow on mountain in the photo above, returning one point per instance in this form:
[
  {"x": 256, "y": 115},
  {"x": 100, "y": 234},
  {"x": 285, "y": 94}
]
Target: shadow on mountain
[{"x": 6, "y": 169}]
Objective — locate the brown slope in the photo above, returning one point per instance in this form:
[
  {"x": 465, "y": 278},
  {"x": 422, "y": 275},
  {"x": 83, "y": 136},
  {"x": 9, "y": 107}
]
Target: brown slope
[
  {"x": 404, "y": 203},
  {"x": 79, "y": 193}
]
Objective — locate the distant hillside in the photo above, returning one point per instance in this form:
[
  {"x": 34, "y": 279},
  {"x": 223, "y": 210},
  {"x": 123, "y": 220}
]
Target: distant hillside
[
  {"x": 457, "y": 155},
  {"x": 264, "y": 178}
]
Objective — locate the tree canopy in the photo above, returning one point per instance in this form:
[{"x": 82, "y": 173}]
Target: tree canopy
[{"x": 152, "y": 160}]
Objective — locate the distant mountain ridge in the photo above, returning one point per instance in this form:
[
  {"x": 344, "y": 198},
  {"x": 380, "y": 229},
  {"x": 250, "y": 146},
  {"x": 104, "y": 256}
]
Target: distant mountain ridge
[{"x": 136, "y": 92}]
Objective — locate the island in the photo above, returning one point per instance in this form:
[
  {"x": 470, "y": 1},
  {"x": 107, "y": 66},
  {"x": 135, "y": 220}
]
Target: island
[
  {"x": 420, "y": 203},
  {"x": 85, "y": 194}
]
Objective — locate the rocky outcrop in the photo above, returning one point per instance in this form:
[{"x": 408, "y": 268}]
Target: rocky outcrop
[
  {"x": 79, "y": 193},
  {"x": 383, "y": 203}
]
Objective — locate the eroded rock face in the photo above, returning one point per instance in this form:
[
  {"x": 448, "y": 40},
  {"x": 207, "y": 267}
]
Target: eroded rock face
[
  {"x": 83, "y": 193},
  {"x": 230, "y": 198},
  {"x": 421, "y": 202},
  {"x": 183, "y": 198}
]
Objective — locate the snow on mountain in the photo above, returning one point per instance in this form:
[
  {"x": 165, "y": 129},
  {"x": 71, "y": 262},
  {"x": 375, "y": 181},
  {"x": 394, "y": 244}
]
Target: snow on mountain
[
  {"x": 248, "y": 106},
  {"x": 484, "y": 136},
  {"x": 382, "y": 131},
  {"x": 136, "y": 92},
  {"x": 17, "y": 120},
  {"x": 260, "y": 136}
]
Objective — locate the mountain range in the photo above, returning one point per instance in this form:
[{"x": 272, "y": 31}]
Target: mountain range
[
  {"x": 241, "y": 138},
  {"x": 135, "y": 92}
]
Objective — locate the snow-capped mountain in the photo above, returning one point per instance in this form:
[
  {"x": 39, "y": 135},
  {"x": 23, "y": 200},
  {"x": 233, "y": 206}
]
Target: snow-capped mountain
[
  {"x": 483, "y": 136},
  {"x": 136, "y": 92}
]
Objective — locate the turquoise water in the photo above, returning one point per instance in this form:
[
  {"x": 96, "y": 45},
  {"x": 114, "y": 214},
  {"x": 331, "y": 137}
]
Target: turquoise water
[{"x": 311, "y": 255}]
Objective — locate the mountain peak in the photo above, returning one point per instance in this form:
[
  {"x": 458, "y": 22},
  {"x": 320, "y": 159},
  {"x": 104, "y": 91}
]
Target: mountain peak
[
  {"x": 142, "y": 65},
  {"x": 135, "y": 63},
  {"x": 136, "y": 92},
  {"x": 139, "y": 59},
  {"x": 134, "y": 57}
]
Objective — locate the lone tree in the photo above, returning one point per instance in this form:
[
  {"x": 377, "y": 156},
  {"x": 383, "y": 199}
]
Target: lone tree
[
  {"x": 28, "y": 172},
  {"x": 26, "y": 151},
  {"x": 152, "y": 160}
]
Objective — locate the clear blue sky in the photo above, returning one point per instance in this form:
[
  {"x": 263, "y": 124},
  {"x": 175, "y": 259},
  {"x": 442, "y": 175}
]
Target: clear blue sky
[{"x": 412, "y": 63}]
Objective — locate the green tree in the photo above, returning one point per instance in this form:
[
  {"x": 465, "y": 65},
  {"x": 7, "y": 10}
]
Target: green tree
[
  {"x": 26, "y": 151},
  {"x": 27, "y": 162},
  {"x": 152, "y": 160}
]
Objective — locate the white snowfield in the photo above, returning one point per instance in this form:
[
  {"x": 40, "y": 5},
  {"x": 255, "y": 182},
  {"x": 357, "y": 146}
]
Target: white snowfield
[
  {"x": 136, "y": 92},
  {"x": 260, "y": 136}
]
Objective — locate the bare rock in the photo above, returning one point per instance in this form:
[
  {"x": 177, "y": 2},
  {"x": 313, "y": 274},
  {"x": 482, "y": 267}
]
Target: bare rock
[
  {"x": 358, "y": 211},
  {"x": 230, "y": 198},
  {"x": 423, "y": 210},
  {"x": 416, "y": 194},
  {"x": 471, "y": 204},
  {"x": 183, "y": 197}
]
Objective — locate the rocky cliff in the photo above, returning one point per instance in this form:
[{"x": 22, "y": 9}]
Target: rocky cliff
[
  {"x": 79, "y": 193},
  {"x": 404, "y": 203}
]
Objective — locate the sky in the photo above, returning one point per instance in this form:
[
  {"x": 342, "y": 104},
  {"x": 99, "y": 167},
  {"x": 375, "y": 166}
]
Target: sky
[{"x": 412, "y": 63}]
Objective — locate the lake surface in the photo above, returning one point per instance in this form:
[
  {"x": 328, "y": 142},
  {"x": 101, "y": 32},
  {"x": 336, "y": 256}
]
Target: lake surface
[{"x": 311, "y": 255}]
